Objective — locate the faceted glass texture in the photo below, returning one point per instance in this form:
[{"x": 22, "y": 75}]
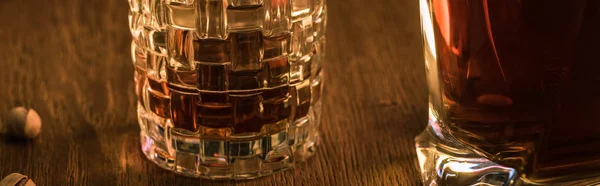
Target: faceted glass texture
[{"x": 228, "y": 89}]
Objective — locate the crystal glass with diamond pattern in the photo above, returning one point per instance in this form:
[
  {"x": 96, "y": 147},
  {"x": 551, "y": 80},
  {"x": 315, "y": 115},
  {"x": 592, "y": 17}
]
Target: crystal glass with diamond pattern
[{"x": 228, "y": 89}]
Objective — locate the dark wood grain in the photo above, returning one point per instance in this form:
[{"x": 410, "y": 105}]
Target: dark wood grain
[{"x": 70, "y": 60}]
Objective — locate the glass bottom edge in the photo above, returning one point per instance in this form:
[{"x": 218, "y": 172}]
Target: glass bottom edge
[
  {"x": 226, "y": 168},
  {"x": 230, "y": 168},
  {"x": 444, "y": 161}
]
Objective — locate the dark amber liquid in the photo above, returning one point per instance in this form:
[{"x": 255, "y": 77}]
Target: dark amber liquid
[
  {"x": 223, "y": 113},
  {"x": 519, "y": 80}
]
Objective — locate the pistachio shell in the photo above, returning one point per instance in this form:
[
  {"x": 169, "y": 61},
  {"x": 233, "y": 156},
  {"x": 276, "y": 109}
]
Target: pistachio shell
[
  {"x": 16, "y": 179},
  {"x": 23, "y": 123}
]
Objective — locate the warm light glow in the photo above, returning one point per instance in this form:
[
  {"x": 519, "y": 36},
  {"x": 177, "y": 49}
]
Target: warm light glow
[
  {"x": 488, "y": 24},
  {"x": 422, "y": 158},
  {"x": 427, "y": 27},
  {"x": 442, "y": 18}
]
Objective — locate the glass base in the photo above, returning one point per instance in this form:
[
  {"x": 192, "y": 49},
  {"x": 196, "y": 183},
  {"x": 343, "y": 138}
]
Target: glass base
[
  {"x": 444, "y": 161},
  {"x": 226, "y": 159}
]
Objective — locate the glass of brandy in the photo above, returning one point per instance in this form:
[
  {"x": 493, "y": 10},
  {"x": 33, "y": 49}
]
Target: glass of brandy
[
  {"x": 228, "y": 89},
  {"x": 513, "y": 92}
]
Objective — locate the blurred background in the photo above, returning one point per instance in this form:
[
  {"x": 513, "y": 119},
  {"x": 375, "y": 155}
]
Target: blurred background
[{"x": 70, "y": 61}]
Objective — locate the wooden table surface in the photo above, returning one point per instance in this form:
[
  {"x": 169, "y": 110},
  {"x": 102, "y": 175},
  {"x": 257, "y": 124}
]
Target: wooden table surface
[{"x": 69, "y": 60}]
